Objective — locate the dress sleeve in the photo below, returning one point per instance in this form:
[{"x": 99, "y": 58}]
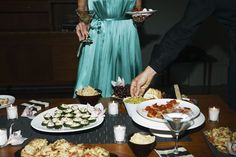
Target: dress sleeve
[{"x": 180, "y": 34}]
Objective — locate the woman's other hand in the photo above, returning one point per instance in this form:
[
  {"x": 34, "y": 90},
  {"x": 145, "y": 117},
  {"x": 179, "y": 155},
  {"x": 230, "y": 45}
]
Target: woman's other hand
[
  {"x": 82, "y": 31},
  {"x": 140, "y": 18}
]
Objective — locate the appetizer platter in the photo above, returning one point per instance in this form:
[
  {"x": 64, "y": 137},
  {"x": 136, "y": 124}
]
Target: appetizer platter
[
  {"x": 221, "y": 139},
  {"x": 66, "y": 118},
  {"x": 6, "y": 100},
  {"x": 39, "y": 147},
  {"x": 153, "y": 109},
  {"x": 159, "y": 126}
]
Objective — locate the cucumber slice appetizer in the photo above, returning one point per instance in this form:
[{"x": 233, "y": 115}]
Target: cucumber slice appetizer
[
  {"x": 47, "y": 116},
  {"x": 85, "y": 116},
  {"x": 84, "y": 122},
  {"x": 75, "y": 125},
  {"x": 69, "y": 110},
  {"x": 78, "y": 115},
  {"x": 63, "y": 107},
  {"x": 68, "y": 123},
  {"x": 75, "y": 108},
  {"x": 77, "y": 120},
  {"x": 57, "y": 115},
  {"x": 50, "y": 125},
  {"x": 55, "y": 120},
  {"x": 58, "y": 125},
  {"x": 69, "y": 115},
  {"x": 45, "y": 122},
  {"x": 58, "y": 112},
  {"x": 83, "y": 110},
  {"x": 91, "y": 119},
  {"x": 76, "y": 112}
]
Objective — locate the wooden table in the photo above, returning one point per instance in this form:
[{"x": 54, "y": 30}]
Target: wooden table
[{"x": 197, "y": 146}]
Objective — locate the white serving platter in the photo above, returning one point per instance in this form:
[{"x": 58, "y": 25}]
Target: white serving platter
[
  {"x": 142, "y": 112},
  {"x": 37, "y": 121}
]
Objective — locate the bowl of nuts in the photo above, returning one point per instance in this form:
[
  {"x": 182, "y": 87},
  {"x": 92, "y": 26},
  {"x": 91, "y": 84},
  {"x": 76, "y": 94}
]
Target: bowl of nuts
[{"x": 88, "y": 95}]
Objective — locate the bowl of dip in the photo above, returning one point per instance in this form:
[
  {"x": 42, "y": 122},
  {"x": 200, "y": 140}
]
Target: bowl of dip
[
  {"x": 142, "y": 143},
  {"x": 131, "y": 104}
]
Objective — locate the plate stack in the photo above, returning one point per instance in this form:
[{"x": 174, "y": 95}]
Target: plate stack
[{"x": 158, "y": 126}]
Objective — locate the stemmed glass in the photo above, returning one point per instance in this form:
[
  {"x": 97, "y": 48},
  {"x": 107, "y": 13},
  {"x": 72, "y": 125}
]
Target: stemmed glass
[{"x": 178, "y": 122}]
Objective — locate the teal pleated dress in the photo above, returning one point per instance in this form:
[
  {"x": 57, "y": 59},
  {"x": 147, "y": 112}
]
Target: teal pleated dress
[{"x": 115, "y": 50}]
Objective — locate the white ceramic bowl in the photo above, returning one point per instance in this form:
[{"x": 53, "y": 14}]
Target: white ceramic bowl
[
  {"x": 11, "y": 100},
  {"x": 130, "y": 107}
]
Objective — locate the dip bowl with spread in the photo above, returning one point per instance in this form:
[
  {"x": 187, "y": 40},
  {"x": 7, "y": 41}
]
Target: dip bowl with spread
[
  {"x": 141, "y": 143},
  {"x": 131, "y": 104}
]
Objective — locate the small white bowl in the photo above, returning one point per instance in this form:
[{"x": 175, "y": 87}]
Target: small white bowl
[
  {"x": 131, "y": 109},
  {"x": 11, "y": 100}
]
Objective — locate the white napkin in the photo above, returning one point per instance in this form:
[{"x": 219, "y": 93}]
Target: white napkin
[
  {"x": 183, "y": 152},
  {"x": 119, "y": 82},
  {"x": 15, "y": 138},
  {"x": 45, "y": 104},
  {"x": 229, "y": 147},
  {"x": 29, "y": 112},
  {"x": 97, "y": 110}
]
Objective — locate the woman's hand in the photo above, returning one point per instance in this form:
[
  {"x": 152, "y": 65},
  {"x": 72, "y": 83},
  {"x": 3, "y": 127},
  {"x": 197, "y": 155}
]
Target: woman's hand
[
  {"x": 82, "y": 31},
  {"x": 140, "y": 18}
]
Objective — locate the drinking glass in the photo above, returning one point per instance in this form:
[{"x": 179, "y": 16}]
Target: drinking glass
[{"x": 177, "y": 122}]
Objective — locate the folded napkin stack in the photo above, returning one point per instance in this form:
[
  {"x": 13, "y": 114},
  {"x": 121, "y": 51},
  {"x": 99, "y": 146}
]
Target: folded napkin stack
[
  {"x": 169, "y": 152},
  {"x": 97, "y": 110},
  {"x": 120, "y": 89},
  {"x": 231, "y": 146},
  {"x": 15, "y": 138},
  {"x": 32, "y": 107}
]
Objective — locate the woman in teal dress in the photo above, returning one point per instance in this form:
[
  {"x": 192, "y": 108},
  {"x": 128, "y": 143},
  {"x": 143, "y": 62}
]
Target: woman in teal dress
[{"x": 115, "y": 48}]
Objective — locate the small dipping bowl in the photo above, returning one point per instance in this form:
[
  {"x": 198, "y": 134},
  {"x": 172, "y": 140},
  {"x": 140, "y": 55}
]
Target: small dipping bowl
[
  {"x": 92, "y": 100},
  {"x": 139, "y": 149}
]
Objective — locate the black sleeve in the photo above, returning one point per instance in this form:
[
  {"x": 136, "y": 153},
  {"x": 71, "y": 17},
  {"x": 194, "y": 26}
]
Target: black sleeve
[{"x": 180, "y": 34}]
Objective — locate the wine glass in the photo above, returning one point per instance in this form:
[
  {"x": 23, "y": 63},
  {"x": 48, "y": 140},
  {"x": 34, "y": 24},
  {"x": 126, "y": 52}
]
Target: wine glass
[{"x": 177, "y": 122}]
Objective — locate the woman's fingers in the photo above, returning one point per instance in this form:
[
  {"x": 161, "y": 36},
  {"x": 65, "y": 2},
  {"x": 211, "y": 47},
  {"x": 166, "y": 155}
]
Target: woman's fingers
[
  {"x": 140, "y": 18},
  {"x": 82, "y": 31}
]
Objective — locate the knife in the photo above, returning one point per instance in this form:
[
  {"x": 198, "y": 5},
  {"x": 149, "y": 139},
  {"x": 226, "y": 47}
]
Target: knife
[{"x": 177, "y": 92}]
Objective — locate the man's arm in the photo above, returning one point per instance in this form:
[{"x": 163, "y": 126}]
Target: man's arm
[
  {"x": 180, "y": 34},
  {"x": 173, "y": 42}
]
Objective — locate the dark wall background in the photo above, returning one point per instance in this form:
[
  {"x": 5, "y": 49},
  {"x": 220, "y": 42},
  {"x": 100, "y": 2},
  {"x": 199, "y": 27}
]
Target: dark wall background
[
  {"x": 210, "y": 36},
  {"x": 45, "y": 29}
]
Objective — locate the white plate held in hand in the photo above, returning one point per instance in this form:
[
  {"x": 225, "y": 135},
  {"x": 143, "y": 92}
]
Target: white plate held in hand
[{"x": 141, "y": 13}]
